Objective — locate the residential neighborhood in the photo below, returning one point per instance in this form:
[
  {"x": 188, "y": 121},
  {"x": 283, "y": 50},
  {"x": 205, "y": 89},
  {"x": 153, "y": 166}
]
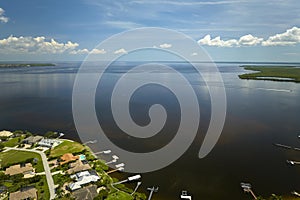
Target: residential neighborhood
[{"x": 50, "y": 167}]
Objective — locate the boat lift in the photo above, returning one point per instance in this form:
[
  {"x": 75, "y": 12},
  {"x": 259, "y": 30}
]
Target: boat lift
[{"x": 184, "y": 195}]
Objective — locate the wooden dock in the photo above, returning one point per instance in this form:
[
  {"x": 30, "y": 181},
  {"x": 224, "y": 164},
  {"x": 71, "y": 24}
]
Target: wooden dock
[
  {"x": 248, "y": 188},
  {"x": 152, "y": 189}
]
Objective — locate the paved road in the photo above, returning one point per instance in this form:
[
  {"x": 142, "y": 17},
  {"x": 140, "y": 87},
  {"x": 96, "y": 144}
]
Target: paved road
[{"x": 49, "y": 178}]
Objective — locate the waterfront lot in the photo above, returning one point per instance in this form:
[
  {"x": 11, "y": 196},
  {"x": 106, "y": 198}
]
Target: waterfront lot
[{"x": 66, "y": 147}]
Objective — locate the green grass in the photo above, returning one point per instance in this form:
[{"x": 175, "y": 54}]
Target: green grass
[
  {"x": 119, "y": 196},
  {"x": 8, "y": 184},
  {"x": 13, "y": 142},
  {"x": 272, "y": 71},
  {"x": 43, "y": 190},
  {"x": 16, "y": 156},
  {"x": 60, "y": 179},
  {"x": 66, "y": 147}
]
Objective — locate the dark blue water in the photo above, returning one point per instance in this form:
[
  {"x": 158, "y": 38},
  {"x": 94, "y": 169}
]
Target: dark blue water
[{"x": 259, "y": 113}]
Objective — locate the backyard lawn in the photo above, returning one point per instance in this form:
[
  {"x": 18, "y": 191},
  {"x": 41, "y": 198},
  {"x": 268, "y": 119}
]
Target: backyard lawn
[
  {"x": 13, "y": 141},
  {"x": 66, "y": 147}
]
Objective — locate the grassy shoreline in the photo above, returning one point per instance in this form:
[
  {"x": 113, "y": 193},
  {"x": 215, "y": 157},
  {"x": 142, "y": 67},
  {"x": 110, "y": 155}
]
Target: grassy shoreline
[{"x": 272, "y": 73}]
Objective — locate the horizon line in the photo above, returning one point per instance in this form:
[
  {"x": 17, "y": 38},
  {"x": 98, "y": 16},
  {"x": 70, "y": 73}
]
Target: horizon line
[{"x": 172, "y": 61}]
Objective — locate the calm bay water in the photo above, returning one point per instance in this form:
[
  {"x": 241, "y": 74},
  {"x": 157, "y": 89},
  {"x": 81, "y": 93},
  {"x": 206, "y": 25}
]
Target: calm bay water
[{"x": 259, "y": 113}]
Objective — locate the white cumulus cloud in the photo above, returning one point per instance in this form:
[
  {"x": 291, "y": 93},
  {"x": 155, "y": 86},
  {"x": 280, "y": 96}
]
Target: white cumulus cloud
[
  {"x": 35, "y": 45},
  {"x": 80, "y": 51},
  {"x": 217, "y": 41},
  {"x": 3, "y": 19},
  {"x": 86, "y": 51},
  {"x": 165, "y": 46},
  {"x": 120, "y": 51},
  {"x": 289, "y": 37},
  {"x": 98, "y": 51},
  {"x": 249, "y": 40},
  {"x": 246, "y": 40}
]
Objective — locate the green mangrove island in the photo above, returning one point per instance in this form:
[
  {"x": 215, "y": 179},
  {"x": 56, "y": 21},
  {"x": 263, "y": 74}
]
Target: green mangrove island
[
  {"x": 272, "y": 73},
  {"x": 7, "y": 65}
]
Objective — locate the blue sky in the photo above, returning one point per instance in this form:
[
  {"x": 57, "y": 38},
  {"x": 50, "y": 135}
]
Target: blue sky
[{"x": 230, "y": 30}]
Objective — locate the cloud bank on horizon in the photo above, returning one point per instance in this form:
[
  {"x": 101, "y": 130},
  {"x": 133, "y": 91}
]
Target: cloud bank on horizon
[
  {"x": 40, "y": 45},
  {"x": 227, "y": 29},
  {"x": 289, "y": 37}
]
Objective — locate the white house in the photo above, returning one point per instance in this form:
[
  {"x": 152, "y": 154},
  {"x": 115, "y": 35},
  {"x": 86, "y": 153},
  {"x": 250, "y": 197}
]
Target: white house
[
  {"x": 82, "y": 178},
  {"x": 49, "y": 142},
  {"x": 5, "y": 133}
]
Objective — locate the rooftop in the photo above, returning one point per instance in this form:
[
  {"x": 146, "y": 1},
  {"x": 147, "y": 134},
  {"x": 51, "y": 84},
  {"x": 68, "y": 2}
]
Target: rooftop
[
  {"x": 32, "y": 139},
  {"x": 83, "y": 178},
  {"x": 49, "y": 142},
  {"x": 81, "y": 174},
  {"x": 78, "y": 166},
  {"x": 86, "y": 193},
  {"x": 25, "y": 194},
  {"x": 18, "y": 169},
  {"x": 68, "y": 157},
  {"x": 5, "y": 133}
]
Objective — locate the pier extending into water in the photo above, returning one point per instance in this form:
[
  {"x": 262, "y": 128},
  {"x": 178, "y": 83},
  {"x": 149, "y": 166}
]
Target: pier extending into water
[
  {"x": 286, "y": 146},
  {"x": 152, "y": 189},
  {"x": 282, "y": 146},
  {"x": 248, "y": 188}
]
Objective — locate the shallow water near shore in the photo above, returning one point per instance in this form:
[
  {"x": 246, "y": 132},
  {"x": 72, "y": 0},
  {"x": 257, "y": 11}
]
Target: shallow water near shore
[{"x": 259, "y": 113}]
